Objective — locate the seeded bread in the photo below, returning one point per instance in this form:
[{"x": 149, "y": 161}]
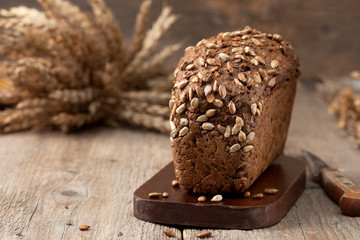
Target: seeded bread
[{"x": 231, "y": 106}]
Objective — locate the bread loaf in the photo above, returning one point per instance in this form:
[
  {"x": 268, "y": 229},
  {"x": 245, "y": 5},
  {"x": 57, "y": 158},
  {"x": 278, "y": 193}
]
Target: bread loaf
[{"x": 231, "y": 106}]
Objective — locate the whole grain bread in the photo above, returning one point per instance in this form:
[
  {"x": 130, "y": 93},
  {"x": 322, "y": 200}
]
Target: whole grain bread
[{"x": 231, "y": 106}]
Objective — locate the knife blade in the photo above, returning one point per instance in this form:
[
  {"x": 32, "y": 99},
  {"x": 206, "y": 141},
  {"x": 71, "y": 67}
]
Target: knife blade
[{"x": 336, "y": 184}]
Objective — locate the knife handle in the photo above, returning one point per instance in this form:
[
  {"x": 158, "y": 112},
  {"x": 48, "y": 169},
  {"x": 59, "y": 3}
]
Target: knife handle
[{"x": 342, "y": 190}]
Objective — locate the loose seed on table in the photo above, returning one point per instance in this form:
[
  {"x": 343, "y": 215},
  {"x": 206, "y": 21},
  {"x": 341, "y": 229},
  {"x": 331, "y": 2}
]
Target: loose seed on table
[
  {"x": 271, "y": 191},
  {"x": 84, "y": 227},
  {"x": 258, "y": 195},
  {"x": 204, "y": 235},
  {"x": 201, "y": 199},
  {"x": 155, "y": 194},
  {"x": 247, "y": 194},
  {"x": 165, "y": 195},
  {"x": 217, "y": 198},
  {"x": 175, "y": 183},
  {"x": 169, "y": 233}
]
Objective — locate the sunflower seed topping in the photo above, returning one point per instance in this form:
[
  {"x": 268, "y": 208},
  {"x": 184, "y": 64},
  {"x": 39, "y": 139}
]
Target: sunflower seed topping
[
  {"x": 181, "y": 108},
  {"x": 202, "y": 118},
  {"x": 171, "y": 103},
  {"x": 247, "y": 50},
  {"x": 207, "y": 90},
  {"x": 201, "y": 61},
  {"x": 221, "y": 129},
  {"x": 254, "y": 61},
  {"x": 239, "y": 84},
  {"x": 183, "y": 83},
  {"x": 272, "y": 82},
  {"x": 242, "y": 77},
  {"x": 194, "y": 79},
  {"x": 277, "y": 37},
  {"x": 211, "y": 45},
  {"x": 248, "y": 148},
  {"x": 172, "y": 126},
  {"x": 260, "y": 59},
  {"x": 235, "y": 130},
  {"x": 208, "y": 126},
  {"x": 227, "y": 131},
  {"x": 242, "y": 136},
  {"x": 257, "y": 77},
  {"x": 253, "y": 108},
  {"x": 211, "y": 61},
  {"x": 201, "y": 75},
  {"x": 256, "y": 41},
  {"x": 229, "y": 67},
  {"x": 184, "y": 131},
  {"x": 191, "y": 93},
  {"x": 215, "y": 86},
  {"x": 239, "y": 121},
  {"x": 250, "y": 137},
  {"x": 237, "y": 50},
  {"x": 210, "y": 112},
  {"x": 190, "y": 67},
  {"x": 199, "y": 91},
  {"x": 234, "y": 148},
  {"x": 232, "y": 107},
  {"x": 222, "y": 91},
  {"x": 274, "y": 63},
  {"x": 218, "y": 103},
  {"x": 184, "y": 122},
  {"x": 224, "y": 57},
  {"x": 194, "y": 103},
  {"x": 210, "y": 98}
]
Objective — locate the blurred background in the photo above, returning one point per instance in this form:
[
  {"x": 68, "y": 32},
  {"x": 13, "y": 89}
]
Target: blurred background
[{"x": 324, "y": 33}]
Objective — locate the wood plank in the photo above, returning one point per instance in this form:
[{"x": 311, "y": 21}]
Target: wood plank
[
  {"x": 94, "y": 173},
  {"x": 314, "y": 215}
]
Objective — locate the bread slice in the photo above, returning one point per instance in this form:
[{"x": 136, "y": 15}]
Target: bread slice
[{"x": 231, "y": 108}]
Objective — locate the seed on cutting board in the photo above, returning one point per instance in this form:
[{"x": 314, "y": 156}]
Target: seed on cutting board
[
  {"x": 84, "y": 227},
  {"x": 169, "y": 233},
  {"x": 66, "y": 207},
  {"x": 165, "y": 195},
  {"x": 204, "y": 235},
  {"x": 175, "y": 183},
  {"x": 155, "y": 194},
  {"x": 217, "y": 198},
  {"x": 247, "y": 194},
  {"x": 201, "y": 199},
  {"x": 120, "y": 234},
  {"x": 271, "y": 191},
  {"x": 258, "y": 195}
]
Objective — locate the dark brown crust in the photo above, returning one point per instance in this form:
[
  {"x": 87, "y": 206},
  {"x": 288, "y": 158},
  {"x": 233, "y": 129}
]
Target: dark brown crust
[{"x": 202, "y": 158}]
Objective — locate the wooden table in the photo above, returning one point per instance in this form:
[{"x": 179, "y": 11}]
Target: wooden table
[{"x": 96, "y": 172}]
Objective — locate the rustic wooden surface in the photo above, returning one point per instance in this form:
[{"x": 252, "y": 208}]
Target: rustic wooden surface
[{"x": 96, "y": 172}]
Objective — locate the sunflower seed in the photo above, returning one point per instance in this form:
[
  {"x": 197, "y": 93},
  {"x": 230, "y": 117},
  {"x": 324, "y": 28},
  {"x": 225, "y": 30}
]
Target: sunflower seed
[
  {"x": 171, "y": 103},
  {"x": 200, "y": 42},
  {"x": 201, "y": 61},
  {"x": 258, "y": 195},
  {"x": 172, "y": 126},
  {"x": 207, "y": 126},
  {"x": 175, "y": 183},
  {"x": 184, "y": 131},
  {"x": 222, "y": 91},
  {"x": 245, "y": 37},
  {"x": 277, "y": 37},
  {"x": 191, "y": 93},
  {"x": 234, "y": 148},
  {"x": 210, "y": 98},
  {"x": 201, "y": 199},
  {"x": 204, "y": 235},
  {"x": 272, "y": 82},
  {"x": 217, "y": 198},
  {"x": 202, "y": 118},
  {"x": 194, "y": 79},
  {"x": 155, "y": 194},
  {"x": 169, "y": 233},
  {"x": 232, "y": 107},
  {"x": 183, "y": 65},
  {"x": 199, "y": 91},
  {"x": 260, "y": 106},
  {"x": 190, "y": 67},
  {"x": 247, "y": 49},
  {"x": 239, "y": 57},
  {"x": 242, "y": 77},
  {"x": 211, "y": 45},
  {"x": 274, "y": 63},
  {"x": 238, "y": 50},
  {"x": 256, "y": 41},
  {"x": 257, "y": 77},
  {"x": 272, "y": 72},
  {"x": 181, "y": 108},
  {"x": 183, "y": 83},
  {"x": 201, "y": 75},
  {"x": 176, "y": 72},
  {"x": 254, "y": 61},
  {"x": 239, "y": 84},
  {"x": 84, "y": 227},
  {"x": 165, "y": 195},
  {"x": 271, "y": 190},
  {"x": 248, "y": 148},
  {"x": 250, "y": 137},
  {"x": 253, "y": 108},
  {"x": 242, "y": 136},
  {"x": 229, "y": 67},
  {"x": 221, "y": 129},
  {"x": 210, "y": 112},
  {"x": 239, "y": 121},
  {"x": 258, "y": 112},
  {"x": 174, "y": 133},
  {"x": 247, "y": 194},
  {"x": 218, "y": 103},
  {"x": 215, "y": 86},
  {"x": 207, "y": 90},
  {"x": 224, "y": 57},
  {"x": 260, "y": 59},
  {"x": 235, "y": 130},
  {"x": 184, "y": 122},
  {"x": 211, "y": 61},
  {"x": 194, "y": 103},
  {"x": 227, "y": 131},
  {"x": 183, "y": 96},
  {"x": 213, "y": 69}
]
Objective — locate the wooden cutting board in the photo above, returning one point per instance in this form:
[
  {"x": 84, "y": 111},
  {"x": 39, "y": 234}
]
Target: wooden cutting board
[{"x": 234, "y": 211}]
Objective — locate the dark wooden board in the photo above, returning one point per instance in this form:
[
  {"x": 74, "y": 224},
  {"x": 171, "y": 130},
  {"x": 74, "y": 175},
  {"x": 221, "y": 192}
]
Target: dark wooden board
[{"x": 234, "y": 212}]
